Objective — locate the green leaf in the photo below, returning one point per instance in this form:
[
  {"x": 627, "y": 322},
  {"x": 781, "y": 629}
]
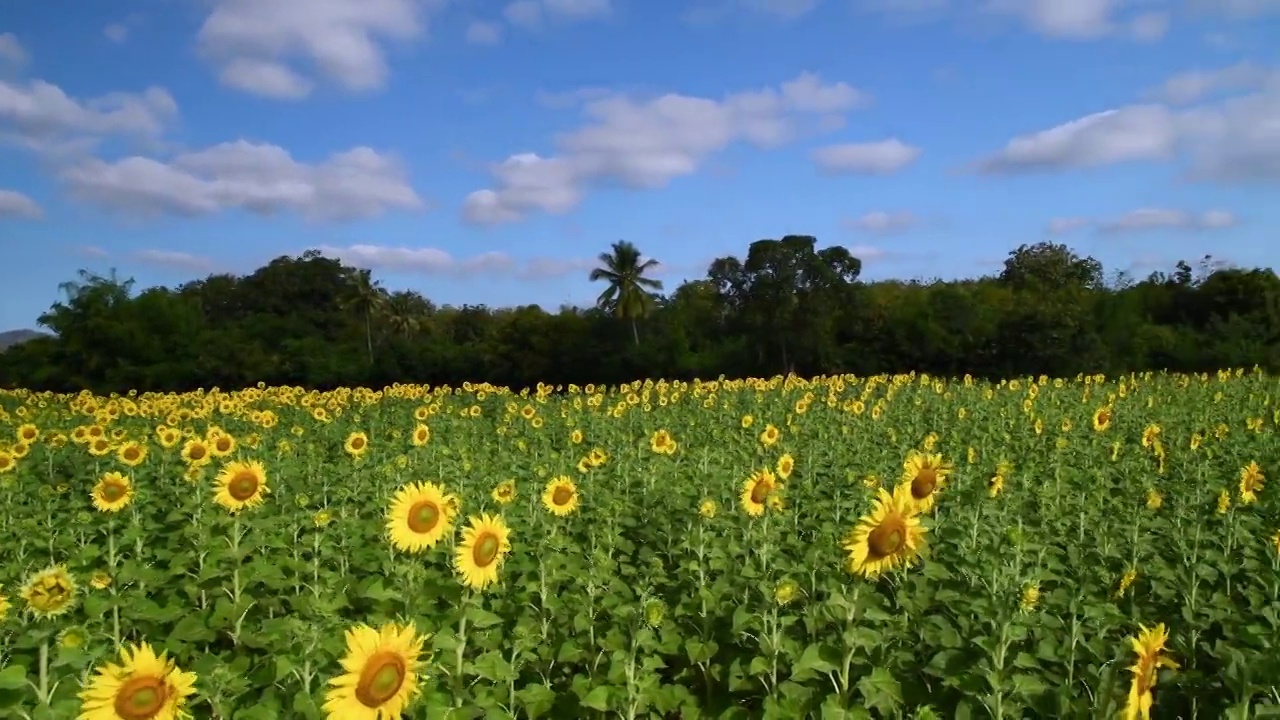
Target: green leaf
[
  {"x": 537, "y": 699},
  {"x": 811, "y": 664},
  {"x": 597, "y": 699},
  {"x": 881, "y": 691},
  {"x": 481, "y": 618},
  {"x": 13, "y": 677}
]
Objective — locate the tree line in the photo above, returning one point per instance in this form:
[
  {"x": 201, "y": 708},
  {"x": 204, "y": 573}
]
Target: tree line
[{"x": 787, "y": 306}]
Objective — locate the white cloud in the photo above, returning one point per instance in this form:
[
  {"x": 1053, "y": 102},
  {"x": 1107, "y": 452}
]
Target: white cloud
[
  {"x": 11, "y": 51},
  {"x": 256, "y": 43},
  {"x": 645, "y": 144},
  {"x": 1149, "y": 26},
  {"x": 175, "y": 260},
  {"x": 1195, "y": 85},
  {"x": 875, "y": 158},
  {"x": 1238, "y": 9},
  {"x": 1066, "y": 19},
  {"x": 776, "y": 9},
  {"x": 532, "y": 14},
  {"x": 1070, "y": 20},
  {"x": 881, "y": 222},
  {"x": 578, "y": 9},
  {"x": 92, "y": 251},
  {"x": 14, "y": 204},
  {"x": 258, "y": 178},
  {"x": 1136, "y": 132},
  {"x": 266, "y": 78},
  {"x": 433, "y": 261},
  {"x": 1063, "y": 225},
  {"x": 116, "y": 32},
  {"x": 867, "y": 253},
  {"x": 41, "y": 116},
  {"x": 1231, "y": 140},
  {"x": 484, "y": 33},
  {"x": 1166, "y": 219},
  {"x": 1144, "y": 219},
  {"x": 524, "y": 13}
]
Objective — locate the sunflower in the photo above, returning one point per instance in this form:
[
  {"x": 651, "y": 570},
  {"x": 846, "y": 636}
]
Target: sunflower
[
  {"x": 241, "y": 485},
  {"x": 4, "y": 604},
  {"x": 380, "y": 675},
  {"x": 1149, "y": 648},
  {"x": 1251, "y": 482},
  {"x": 421, "y": 435},
  {"x": 131, "y": 454},
  {"x": 100, "y": 580},
  {"x": 925, "y": 474},
  {"x": 196, "y": 452},
  {"x": 356, "y": 445},
  {"x": 1102, "y": 418},
  {"x": 222, "y": 444},
  {"x": 785, "y": 591},
  {"x": 769, "y": 435},
  {"x": 505, "y": 492},
  {"x": 144, "y": 686},
  {"x": 786, "y": 465},
  {"x": 112, "y": 493},
  {"x": 418, "y": 517},
  {"x": 99, "y": 446},
  {"x": 7, "y": 463},
  {"x": 485, "y": 544},
  {"x": 662, "y": 443},
  {"x": 560, "y": 496},
  {"x": 1030, "y": 597},
  {"x": 28, "y": 433},
  {"x": 169, "y": 437},
  {"x": 50, "y": 592},
  {"x": 756, "y": 490},
  {"x": 707, "y": 509},
  {"x": 887, "y": 536}
]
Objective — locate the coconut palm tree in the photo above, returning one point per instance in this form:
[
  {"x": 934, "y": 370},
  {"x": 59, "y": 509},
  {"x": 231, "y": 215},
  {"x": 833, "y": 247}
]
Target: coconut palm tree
[
  {"x": 366, "y": 297},
  {"x": 630, "y": 295}
]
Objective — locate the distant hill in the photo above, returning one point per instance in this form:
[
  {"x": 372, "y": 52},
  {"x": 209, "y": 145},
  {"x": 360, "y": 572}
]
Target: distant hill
[{"x": 13, "y": 337}]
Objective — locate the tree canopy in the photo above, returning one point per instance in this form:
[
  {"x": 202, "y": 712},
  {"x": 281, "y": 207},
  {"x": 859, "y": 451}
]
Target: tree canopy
[{"x": 786, "y": 306}]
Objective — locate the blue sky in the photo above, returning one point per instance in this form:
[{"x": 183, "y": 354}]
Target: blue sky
[{"x": 485, "y": 151}]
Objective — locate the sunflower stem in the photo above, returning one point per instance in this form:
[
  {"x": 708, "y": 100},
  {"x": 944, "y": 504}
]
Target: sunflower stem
[{"x": 43, "y": 689}]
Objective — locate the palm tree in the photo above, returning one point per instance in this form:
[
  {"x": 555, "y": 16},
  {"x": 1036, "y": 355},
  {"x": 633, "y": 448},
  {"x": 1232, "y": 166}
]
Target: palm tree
[
  {"x": 73, "y": 288},
  {"x": 365, "y": 296},
  {"x": 404, "y": 313},
  {"x": 629, "y": 295}
]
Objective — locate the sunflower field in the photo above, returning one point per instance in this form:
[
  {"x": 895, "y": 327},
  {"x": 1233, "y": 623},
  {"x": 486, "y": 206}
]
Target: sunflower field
[{"x": 841, "y": 547}]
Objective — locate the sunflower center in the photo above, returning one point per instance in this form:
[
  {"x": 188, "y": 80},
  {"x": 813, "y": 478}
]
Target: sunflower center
[
  {"x": 1104, "y": 417},
  {"x": 28, "y": 435},
  {"x": 223, "y": 445},
  {"x": 141, "y": 698},
  {"x": 924, "y": 483},
  {"x": 423, "y": 517},
  {"x": 561, "y": 495},
  {"x": 243, "y": 486},
  {"x": 131, "y": 453},
  {"x": 357, "y": 443},
  {"x": 382, "y": 677},
  {"x": 888, "y": 537},
  {"x": 111, "y": 491},
  {"x": 197, "y": 452},
  {"x": 485, "y": 550},
  {"x": 760, "y": 491}
]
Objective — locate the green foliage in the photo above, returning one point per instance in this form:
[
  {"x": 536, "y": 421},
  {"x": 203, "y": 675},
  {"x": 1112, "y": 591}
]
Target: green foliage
[{"x": 787, "y": 306}]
